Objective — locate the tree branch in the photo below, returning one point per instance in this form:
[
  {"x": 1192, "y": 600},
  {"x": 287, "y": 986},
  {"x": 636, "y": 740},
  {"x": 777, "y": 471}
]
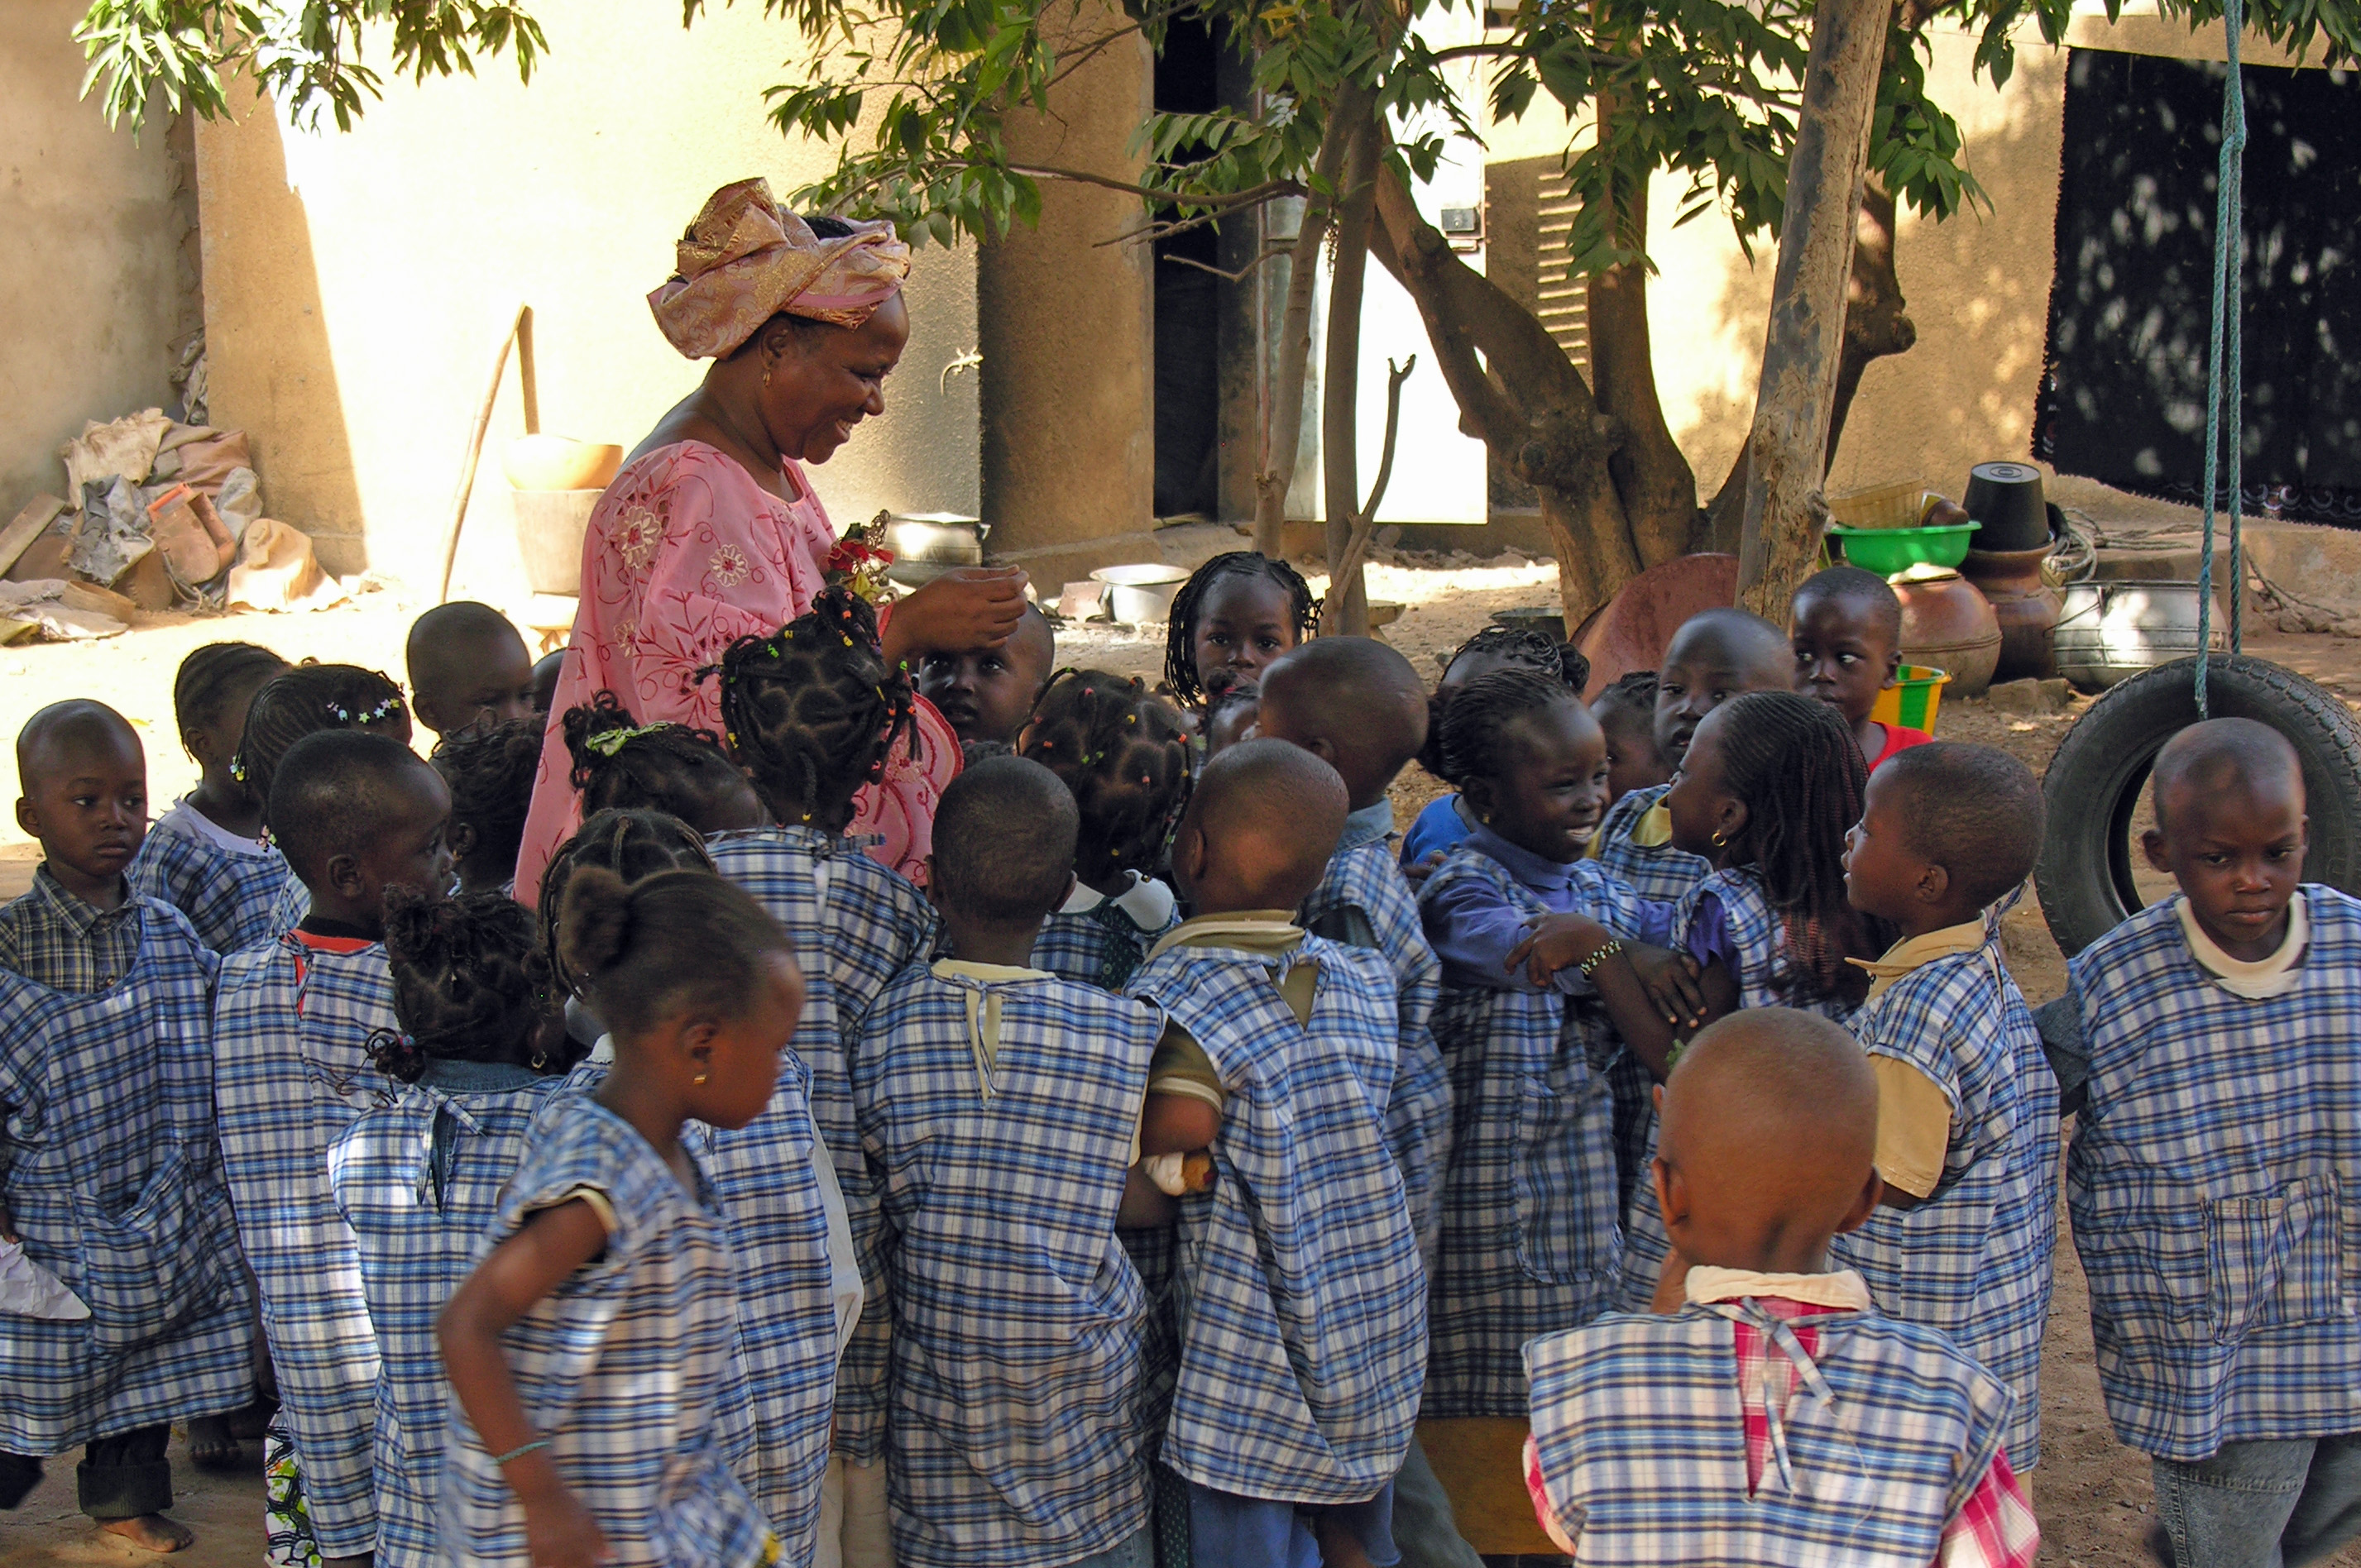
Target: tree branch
[
  {"x": 1220, "y": 200},
  {"x": 1365, "y": 525}
]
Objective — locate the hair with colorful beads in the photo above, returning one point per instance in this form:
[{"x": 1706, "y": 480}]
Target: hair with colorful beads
[
  {"x": 1509, "y": 647},
  {"x": 1180, "y": 631},
  {"x": 1124, "y": 752},
  {"x": 307, "y": 699},
  {"x": 490, "y": 772},
  {"x": 620, "y": 764},
  {"x": 632, "y": 844},
  {"x": 471, "y": 982},
  {"x": 812, "y": 711}
]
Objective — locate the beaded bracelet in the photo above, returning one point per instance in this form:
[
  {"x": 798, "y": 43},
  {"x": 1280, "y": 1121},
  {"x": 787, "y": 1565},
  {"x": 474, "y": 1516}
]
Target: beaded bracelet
[{"x": 1599, "y": 955}]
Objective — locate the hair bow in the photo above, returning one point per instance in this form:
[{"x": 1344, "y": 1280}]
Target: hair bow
[{"x": 608, "y": 743}]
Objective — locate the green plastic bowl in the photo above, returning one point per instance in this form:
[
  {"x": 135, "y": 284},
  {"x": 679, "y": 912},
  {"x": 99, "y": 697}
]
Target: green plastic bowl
[{"x": 1887, "y": 550}]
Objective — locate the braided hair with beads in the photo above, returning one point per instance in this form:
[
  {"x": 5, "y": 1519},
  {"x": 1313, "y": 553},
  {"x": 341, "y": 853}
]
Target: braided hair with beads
[
  {"x": 490, "y": 774},
  {"x": 210, "y": 676},
  {"x": 813, "y": 709},
  {"x": 1795, "y": 766},
  {"x": 1181, "y": 630},
  {"x": 621, "y": 764},
  {"x": 307, "y": 699},
  {"x": 632, "y": 844},
  {"x": 1125, "y": 755},
  {"x": 1474, "y": 743},
  {"x": 471, "y": 982},
  {"x": 1513, "y": 647}
]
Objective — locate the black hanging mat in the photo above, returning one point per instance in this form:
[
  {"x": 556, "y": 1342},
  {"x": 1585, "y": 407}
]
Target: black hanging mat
[{"x": 2123, "y": 399}]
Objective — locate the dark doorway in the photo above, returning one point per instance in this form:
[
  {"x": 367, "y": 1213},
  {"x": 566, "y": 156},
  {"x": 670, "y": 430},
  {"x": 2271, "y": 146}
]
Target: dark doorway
[
  {"x": 2124, "y": 397},
  {"x": 1188, "y": 304}
]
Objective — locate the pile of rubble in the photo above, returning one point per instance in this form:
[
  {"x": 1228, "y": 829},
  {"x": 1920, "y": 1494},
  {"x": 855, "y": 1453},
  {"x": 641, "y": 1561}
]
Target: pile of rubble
[{"x": 162, "y": 515}]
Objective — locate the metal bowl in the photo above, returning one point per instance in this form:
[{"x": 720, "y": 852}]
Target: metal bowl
[
  {"x": 1141, "y": 591},
  {"x": 927, "y": 545}
]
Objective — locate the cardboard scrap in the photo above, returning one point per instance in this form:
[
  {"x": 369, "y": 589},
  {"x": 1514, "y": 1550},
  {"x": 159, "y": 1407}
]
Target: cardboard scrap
[
  {"x": 123, "y": 448},
  {"x": 277, "y": 570},
  {"x": 39, "y": 513},
  {"x": 66, "y": 612}
]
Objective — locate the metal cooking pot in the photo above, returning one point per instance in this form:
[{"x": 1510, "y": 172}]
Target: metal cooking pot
[
  {"x": 927, "y": 545},
  {"x": 2110, "y": 631}
]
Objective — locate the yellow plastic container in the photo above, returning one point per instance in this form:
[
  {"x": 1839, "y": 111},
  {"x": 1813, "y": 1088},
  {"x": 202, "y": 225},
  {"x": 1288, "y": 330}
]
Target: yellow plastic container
[{"x": 1913, "y": 699}]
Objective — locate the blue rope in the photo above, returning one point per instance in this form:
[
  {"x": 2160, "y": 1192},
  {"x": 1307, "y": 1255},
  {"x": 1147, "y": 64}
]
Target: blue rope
[{"x": 2229, "y": 242}]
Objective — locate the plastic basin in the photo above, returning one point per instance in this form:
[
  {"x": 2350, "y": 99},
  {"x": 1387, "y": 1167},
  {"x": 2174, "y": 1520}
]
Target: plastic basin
[{"x": 1887, "y": 550}]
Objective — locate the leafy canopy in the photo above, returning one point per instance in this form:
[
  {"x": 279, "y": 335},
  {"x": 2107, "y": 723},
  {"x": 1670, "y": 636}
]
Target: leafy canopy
[{"x": 918, "y": 95}]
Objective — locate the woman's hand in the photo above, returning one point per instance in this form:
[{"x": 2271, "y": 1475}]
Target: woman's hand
[{"x": 967, "y": 607}]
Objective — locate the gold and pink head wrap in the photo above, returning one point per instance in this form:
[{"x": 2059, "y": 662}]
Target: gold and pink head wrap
[{"x": 746, "y": 258}]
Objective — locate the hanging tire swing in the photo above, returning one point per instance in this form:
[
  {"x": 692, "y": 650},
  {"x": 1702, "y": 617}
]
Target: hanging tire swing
[{"x": 2092, "y": 787}]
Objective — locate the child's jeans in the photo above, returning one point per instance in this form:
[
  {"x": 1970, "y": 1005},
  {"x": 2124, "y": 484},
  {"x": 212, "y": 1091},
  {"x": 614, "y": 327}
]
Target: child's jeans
[{"x": 2262, "y": 1504}]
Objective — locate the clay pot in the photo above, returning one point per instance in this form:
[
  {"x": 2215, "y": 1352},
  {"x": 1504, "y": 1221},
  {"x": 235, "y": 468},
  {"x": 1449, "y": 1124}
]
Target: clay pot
[
  {"x": 2025, "y": 607},
  {"x": 1946, "y": 623},
  {"x": 1632, "y": 629}
]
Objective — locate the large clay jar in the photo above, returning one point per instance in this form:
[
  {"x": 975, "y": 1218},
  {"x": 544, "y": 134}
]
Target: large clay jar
[
  {"x": 2026, "y": 607},
  {"x": 1946, "y": 623}
]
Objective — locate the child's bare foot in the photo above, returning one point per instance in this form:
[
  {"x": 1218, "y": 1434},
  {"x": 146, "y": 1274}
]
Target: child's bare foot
[
  {"x": 212, "y": 1445},
  {"x": 152, "y": 1532}
]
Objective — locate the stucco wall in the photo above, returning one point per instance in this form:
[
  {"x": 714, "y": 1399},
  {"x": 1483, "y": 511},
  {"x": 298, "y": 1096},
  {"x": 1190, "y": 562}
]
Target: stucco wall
[
  {"x": 358, "y": 284},
  {"x": 93, "y": 284}
]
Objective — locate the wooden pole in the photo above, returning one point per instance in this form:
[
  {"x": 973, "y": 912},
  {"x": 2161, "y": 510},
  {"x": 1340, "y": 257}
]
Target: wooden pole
[
  {"x": 1786, "y": 450},
  {"x": 520, "y": 333}
]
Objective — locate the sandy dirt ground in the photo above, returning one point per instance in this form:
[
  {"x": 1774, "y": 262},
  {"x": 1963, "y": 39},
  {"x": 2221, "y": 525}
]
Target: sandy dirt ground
[{"x": 2093, "y": 1496}]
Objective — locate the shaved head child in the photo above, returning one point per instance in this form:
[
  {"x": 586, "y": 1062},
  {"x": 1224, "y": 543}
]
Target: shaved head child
[
  {"x": 1305, "y": 1344},
  {"x": 357, "y": 813},
  {"x": 2219, "y": 1121},
  {"x": 468, "y": 668},
  {"x": 1967, "y": 1130},
  {"x": 987, "y": 693},
  {"x": 1847, "y": 644},
  {"x": 105, "y": 1048},
  {"x": 1863, "y": 1440},
  {"x": 999, "y": 1104}
]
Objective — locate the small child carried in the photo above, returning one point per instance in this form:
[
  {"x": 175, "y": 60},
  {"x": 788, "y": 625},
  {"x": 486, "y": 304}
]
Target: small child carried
[
  {"x": 999, "y": 1107},
  {"x": 419, "y": 1179},
  {"x": 1967, "y": 1124},
  {"x": 592, "y": 1351},
  {"x": 206, "y": 857},
  {"x": 110, "y": 1171},
  {"x": 1302, "y": 1301},
  {"x": 1773, "y": 1417}
]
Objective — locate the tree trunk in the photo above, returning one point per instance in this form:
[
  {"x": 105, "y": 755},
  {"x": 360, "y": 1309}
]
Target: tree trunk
[
  {"x": 1340, "y": 377},
  {"x": 1794, "y": 400},
  {"x": 1282, "y": 420},
  {"x": 1524, "y": 399},
  {"x": 1657, "y": 487}
]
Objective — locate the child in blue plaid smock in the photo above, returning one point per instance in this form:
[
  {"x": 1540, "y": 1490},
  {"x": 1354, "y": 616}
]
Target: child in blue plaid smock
[
  {"x": 355, "y": 813},
  {"x": 620, "y": 765},
  {"x": 1446, "y": 821},
  {"x": 1625, "y": 712},
  {"x": 1772, "y": 1417},
  {"x": 812, "y": 712},
  {"x": 1124, "y": 754},
  {"x": 999, "y": 1106},
  {"x": 2216, "y": 1154},
  {"x": 206, "y": 857},
  {"x": 632, "y": 844},
  {"x": 110, "y": 1175},
  {"x": 1302, "y": 1298},
  {"x": 419, "y": 1181},
  {"x": 1769, "y": 786},
  {"x": 1967, "y": 1123},
  {"x": 1235, "y": 613},
  {"x": 591, "y": 1350},
  {"x": 489, "y": 771},
  {"x": 1530, "y": 1206}
]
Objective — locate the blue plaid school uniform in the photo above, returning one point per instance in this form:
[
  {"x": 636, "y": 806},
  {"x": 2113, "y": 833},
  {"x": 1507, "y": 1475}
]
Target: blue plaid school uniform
[
  {"x": 1662, "y": 874},
  {"x": 1759, "y": 941},
  {"x": 1366, "y": 878},
  {"x": 231, "y": 896},
  {"x": 1530, "y": 1239},
  {"x": 999, "y": 1108},
  {"x": 2215, "y": 1185},
  {"x": 1101, "y": 945},
  {"x": 419, "y": 1182},
  {"x": 113, "y": 1176},
  {"x": 292, "y": 1025},
  {"x": 854, "y": 924},
  {"x": 1641, "y": 1435},
  {"x": 626, "y": 1367},
  {"x": 1302, "y": 1303},
  {"x": 1973, "y": 1259}
]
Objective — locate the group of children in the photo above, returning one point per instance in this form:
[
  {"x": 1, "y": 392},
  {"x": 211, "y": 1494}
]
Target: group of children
[{"x": 1196, "y": 1171}]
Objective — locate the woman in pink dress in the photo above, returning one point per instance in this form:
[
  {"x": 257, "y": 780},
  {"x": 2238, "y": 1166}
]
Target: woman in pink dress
[{"x": 711, "y": 530}]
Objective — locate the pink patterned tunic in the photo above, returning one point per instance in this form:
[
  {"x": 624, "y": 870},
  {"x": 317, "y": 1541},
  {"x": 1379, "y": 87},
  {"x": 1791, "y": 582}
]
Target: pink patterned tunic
[{"x": 686, "y": 553}]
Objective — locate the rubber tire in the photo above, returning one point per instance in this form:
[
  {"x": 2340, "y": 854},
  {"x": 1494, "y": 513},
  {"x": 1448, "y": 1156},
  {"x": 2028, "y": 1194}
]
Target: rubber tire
[{"x": 2094, "y": 783}]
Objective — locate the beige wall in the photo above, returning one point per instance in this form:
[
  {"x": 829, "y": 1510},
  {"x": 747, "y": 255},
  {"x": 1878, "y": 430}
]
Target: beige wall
[
  {"x": 1978, "y": 284},
  {"x": 358, "y": 284},
  {"x": 94, "y": 283}
]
